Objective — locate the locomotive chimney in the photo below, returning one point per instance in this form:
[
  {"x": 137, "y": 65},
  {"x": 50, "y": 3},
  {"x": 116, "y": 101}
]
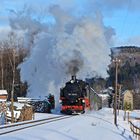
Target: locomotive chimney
[{"x": 73, "y": 77}]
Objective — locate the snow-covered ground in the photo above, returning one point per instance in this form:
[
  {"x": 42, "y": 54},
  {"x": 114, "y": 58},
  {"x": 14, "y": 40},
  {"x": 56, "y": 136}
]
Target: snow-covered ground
[
  {"x": 136, "y": 123},
  {"x": 135, "y": 115},
  {"x": 95, "y": 125}
]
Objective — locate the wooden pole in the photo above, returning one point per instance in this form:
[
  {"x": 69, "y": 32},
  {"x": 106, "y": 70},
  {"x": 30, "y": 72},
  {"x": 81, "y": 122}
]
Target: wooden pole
[
  {"x": 116, "y": 83},
  {"x": 12, "y": 107},
  {"x": 12, "y": 92},
  {"x": 124, "y": 115},
  {"x": 119, "y": 100},
  {"x": 128, "y": 116},
  {"x": 2, "y": 71}
]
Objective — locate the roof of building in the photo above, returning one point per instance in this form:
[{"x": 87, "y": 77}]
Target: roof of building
[
  {"x": 126, "y": 91},
  {"x": 3, "y": 92}
]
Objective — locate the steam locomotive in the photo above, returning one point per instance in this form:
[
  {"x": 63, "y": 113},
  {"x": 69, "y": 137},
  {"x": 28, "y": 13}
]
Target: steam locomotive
[{"x": 77, "y": 96}]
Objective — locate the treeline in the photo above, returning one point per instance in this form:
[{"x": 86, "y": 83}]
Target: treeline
[
  {"x": 128, "y": 70},
  {"x": 12, "y": 53},
  {"x": 97, "y": 83},
  {"x": 128, "y": 76}
]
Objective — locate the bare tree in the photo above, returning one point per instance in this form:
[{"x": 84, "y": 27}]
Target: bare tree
[
  {"x": 12, "y": 54},
  {"x": 1, "y": 65}
]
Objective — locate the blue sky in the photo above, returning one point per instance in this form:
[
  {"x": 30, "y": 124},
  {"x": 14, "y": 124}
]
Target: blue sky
[
  {"x": 122, "y": 15},
  {"x": 126, "y": 24}
]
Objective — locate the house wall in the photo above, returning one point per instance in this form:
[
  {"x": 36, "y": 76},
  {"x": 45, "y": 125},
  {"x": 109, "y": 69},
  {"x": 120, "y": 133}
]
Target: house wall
[
  {"x": 128, "y": 98},
  {"x": 3, "y": 97}
]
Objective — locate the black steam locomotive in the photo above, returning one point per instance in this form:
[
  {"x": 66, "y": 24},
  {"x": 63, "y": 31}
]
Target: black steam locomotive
[
  {"x": 77, "y": 95},
  {"x": 73, "y": 96}
]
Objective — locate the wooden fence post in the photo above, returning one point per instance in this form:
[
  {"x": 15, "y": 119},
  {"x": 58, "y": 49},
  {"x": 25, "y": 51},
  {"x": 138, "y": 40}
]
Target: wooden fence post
[
  {"x": 139, "y": 135},
  {"x": 133, "y": 129},
  {"x": 128, "y": 116},
  {"x": 136, "y": 133},
  {"x": 124, "y": 115}
]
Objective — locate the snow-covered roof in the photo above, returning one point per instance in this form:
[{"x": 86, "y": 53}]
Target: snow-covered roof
[
  {"x": 111, "y": 88},
  {"x": 103, "y": 95},
  {"x": 23, "y": 99},
  {"x": 3, "y": 92},
  {"x": 126, "y": 91},
  {"x": 94, "y": 91}
]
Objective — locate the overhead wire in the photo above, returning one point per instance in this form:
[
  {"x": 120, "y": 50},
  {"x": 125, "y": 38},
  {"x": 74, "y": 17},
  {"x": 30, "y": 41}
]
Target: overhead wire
[
  {"x": 133, "y": 30},
  {"x": 126, "y": 17}
]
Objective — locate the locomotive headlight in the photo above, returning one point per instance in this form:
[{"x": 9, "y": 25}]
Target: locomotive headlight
[
  {"x": 72, "y": 81},
  {"x": 83, "y": 101},
  {"x": 60, "y": 101}
]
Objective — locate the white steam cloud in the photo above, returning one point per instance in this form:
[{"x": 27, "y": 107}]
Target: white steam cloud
[{"x": 69, "y": 45}]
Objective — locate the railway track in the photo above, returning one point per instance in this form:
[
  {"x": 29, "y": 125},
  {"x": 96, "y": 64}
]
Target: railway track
[{"x": 24, "y": 125}]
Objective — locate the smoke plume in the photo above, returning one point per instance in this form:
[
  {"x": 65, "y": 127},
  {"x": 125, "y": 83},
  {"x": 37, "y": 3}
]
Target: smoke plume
[
  {"x": 75, "y": 64},
  {"x": 64, "y": 45}
]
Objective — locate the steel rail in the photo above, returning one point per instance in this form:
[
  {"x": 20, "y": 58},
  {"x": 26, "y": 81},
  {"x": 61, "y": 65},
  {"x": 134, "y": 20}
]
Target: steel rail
[
  {"x": 45, "y": 121},
  {"x": 28, "y": 122}
]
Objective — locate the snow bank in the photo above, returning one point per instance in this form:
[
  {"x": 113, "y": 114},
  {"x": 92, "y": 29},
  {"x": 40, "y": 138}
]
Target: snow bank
[{"x": 96, "y": 125}]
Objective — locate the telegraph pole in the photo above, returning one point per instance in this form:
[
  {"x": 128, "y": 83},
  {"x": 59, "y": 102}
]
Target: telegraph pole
[
  {"x": 116, "y": 61},
  {"x": 119, "y": 100},
  {"x": 12, "y": 91},
  {"x": 12, "y": 107},
  {"x": 2, "y": 70}
]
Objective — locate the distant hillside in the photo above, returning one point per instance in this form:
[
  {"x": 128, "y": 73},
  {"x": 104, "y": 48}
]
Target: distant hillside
[
  {"x": 126, "y": 53},
  {"x": 125, "y": 49},
  {"x": 129, "y": 67}
]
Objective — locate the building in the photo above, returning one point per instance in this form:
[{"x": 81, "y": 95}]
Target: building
[
  {"x": 128, "y": 102},
  {"x": 105, "y": 98},
  {"x": 3, "y": 107},
  {"x": 3, "y": 95},
  {"x": 132, "y": 98}
]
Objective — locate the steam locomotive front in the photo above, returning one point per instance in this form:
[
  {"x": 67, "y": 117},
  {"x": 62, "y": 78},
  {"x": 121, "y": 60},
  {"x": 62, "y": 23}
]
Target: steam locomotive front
[
  {"x": 72, "y": 96},
  {"x": 72, "y": 91}
]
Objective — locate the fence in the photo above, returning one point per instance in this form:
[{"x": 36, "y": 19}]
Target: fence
[{"x": 135, "y": 130}]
